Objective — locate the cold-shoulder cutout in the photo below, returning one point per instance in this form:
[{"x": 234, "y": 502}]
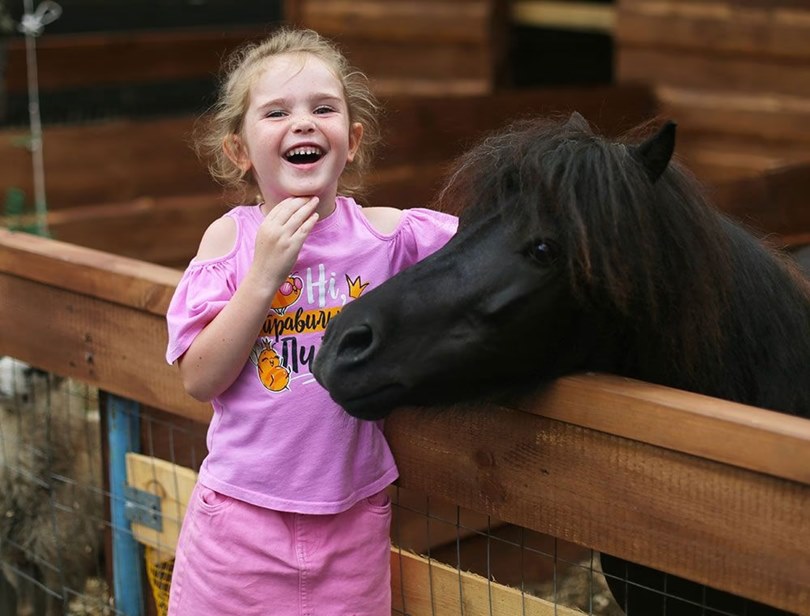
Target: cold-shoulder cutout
[
  {"x": 218, "y": 240},
  {"x": 384, "y": 220}
]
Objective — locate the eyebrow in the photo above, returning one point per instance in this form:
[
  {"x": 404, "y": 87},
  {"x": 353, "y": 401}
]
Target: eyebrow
[{"x": 319, "y": 97}]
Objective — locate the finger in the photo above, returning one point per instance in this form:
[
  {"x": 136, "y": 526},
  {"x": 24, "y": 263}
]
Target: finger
[
  {"x": 302, "y": 214},
  {"x": 303, "y": 230},
  {"x": 284, "y": 210}
]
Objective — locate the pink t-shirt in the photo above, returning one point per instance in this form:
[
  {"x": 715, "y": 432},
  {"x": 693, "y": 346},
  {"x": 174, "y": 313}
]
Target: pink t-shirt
[{"x": 277, "y": 439}]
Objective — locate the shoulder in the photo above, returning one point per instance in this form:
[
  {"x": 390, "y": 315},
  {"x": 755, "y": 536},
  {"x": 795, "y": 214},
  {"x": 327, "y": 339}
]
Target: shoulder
[
  {"x": 218, "y": 240},
  {"x": 384, "y": 220}
]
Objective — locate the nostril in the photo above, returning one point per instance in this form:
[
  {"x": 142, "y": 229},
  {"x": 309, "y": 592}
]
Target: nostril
[{"x": 356, "y": 343}]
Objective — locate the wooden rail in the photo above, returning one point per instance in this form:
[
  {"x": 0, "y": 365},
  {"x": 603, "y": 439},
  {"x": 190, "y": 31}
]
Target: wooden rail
[
  {"x": 707, "y": 489},
  {"x": 102, "y": 58}
]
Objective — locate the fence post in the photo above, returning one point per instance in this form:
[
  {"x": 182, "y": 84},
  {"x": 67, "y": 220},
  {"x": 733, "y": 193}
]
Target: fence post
[{"x": 123, "y": 435}]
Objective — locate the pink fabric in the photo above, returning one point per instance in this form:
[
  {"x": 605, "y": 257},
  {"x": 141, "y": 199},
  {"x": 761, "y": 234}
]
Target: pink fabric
[
  {"x": 276, "y": 439},
  {"x": 235, "y": 558}
]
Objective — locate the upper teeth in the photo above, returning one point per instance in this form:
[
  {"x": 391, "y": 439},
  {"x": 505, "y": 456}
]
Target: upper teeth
[{"x": 304, "y": 151}]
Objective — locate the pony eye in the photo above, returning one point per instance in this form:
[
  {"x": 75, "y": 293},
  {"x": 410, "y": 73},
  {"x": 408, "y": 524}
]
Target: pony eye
[{"x": 544, "y": 251}]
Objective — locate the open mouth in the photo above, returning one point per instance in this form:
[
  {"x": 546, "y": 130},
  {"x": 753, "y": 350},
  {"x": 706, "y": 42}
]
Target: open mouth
[{"x": 304, "y": 155}]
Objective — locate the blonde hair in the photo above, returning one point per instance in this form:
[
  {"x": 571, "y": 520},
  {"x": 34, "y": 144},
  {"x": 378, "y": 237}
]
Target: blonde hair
[{"x": 226, "y": 116}]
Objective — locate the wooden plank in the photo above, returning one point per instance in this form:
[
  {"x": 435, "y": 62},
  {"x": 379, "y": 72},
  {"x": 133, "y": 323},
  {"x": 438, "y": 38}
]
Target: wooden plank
[
  {"x": 100, "y": 58},
  {"x": 413, "y": 22},
  {"x": 720, "y": 157},
  {"x": 715, "y": 28},
  {"x": 421, "y": 523},
  {"x": 101, "y": 275},
  {"x": 107, "y": 345},
  {"x": 120, "y": 160},
  {"x": 422, "y": 587},
  {"x": 577, "y": 16},
  {"x": 420, "y": 47},
  {"x": 737, "y": 530},
  {"x": 162, "y": 230},
  {"x": 679, "y": 68},
  {"x": 721, "y": 7},
  {"x": 396, "y": 60},
  {"x": 759, "y": 115},
  {"x": 728, "y": 432}
]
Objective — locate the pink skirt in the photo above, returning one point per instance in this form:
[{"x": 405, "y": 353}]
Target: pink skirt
[{"x": 236, "y": 558}]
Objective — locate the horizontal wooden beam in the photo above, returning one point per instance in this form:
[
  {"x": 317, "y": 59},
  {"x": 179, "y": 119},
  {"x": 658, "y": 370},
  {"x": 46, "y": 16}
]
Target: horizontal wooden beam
[
  {"x": 701, "y": 426},
  {"x": 93, "y": 316},
  {"x": 575, "y": 16},
  {"x": 692, "y": 69},
  {"x": 104, "y": 58},
  {"x": 415, "y": 22},
  {"x": 99, "y": 275},
  {"x": 160, "y": 230},
  {"x": 770, "y": 31},
  {"x": 423, "y": 587}
]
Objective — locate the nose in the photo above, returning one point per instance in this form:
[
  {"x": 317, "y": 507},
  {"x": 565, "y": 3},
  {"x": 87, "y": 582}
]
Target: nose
[
  {"x": 356, "y": 344},
  {"x": 303, "y": 125}
]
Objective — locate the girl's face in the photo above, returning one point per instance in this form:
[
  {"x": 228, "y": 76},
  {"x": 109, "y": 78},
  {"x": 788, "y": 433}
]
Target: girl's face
[{"x": 296, "y": 136}]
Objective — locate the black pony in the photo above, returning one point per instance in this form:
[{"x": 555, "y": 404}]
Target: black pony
[{"x": 575, "y": 252}]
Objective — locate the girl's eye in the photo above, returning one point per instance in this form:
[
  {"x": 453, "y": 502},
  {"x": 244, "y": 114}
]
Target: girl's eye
[
  {"x": 275, "y": 114},
  {"x": 544, "y": 251},
  {"x": 324, "y": 109}
]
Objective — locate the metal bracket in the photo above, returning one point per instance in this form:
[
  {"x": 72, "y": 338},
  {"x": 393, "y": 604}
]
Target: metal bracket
[{"x": 143, "y": 508}]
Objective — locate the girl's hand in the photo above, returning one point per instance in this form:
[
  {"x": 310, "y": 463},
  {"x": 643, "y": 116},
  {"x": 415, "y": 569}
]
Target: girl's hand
[{"x": 279, "y": 240}]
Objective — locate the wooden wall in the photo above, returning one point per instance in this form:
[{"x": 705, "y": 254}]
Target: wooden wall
[
  {"x": 124, "y": 185},
  {"x": 734, "y": 73},
  {"x": 416, "y": 47}
]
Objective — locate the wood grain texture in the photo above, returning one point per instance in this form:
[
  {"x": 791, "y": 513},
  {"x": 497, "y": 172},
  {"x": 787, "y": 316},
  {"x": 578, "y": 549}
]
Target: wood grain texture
[
  {"x": 420, "y": 47},
  {"x": 737, "y": 530},
  {"x": 100, "y": 58},
  {"x": 422, "y": 587}
]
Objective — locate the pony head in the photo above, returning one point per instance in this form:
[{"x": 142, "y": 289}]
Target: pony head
[{"x": 574, "y": 252}]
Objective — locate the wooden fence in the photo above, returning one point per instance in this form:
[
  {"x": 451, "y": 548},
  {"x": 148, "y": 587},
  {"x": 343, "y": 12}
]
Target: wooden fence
[{"x": 707, "y": 489}]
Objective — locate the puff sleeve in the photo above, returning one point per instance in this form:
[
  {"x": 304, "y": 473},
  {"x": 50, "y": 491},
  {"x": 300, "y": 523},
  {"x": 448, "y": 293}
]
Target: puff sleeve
[
  {"x": 202, "y": 292},
  {"x": 421, "y": 233}
]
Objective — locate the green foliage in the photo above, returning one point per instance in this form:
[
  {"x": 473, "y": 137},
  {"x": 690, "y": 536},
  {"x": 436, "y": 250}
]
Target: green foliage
[{"x": 18, "y": 216}]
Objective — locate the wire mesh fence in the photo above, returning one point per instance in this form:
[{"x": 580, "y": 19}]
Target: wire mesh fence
[{"x": 52, "y": 520}]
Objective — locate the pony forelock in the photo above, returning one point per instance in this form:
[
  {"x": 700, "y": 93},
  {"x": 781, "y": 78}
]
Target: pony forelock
[{"x": 618, "y": 230}]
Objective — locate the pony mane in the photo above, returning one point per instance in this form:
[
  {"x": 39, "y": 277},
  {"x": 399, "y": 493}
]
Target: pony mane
[{"x": 656, "y": 255}]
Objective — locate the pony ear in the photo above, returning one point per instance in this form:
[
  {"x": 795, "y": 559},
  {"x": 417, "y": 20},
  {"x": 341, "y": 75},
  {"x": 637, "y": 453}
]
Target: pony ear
[
  {"x": 577, "y": 122},
  {"x": 655, "y": 153}
]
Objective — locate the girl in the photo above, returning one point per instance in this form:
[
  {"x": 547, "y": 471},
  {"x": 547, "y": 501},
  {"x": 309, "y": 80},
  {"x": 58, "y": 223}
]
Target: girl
[{"x": 290, "y": 514}]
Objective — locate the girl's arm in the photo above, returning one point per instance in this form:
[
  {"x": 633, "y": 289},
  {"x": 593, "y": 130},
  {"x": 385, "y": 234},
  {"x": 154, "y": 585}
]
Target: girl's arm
[{"x": 220, "y": 350}]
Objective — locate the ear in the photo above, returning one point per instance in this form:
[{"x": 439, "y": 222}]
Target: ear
[
  {"x": 656, "y": 152},
  {"x": 236, "y": 151},
  {"x": 577, "y": 122},
  {"x": 355, "y": 137}
]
